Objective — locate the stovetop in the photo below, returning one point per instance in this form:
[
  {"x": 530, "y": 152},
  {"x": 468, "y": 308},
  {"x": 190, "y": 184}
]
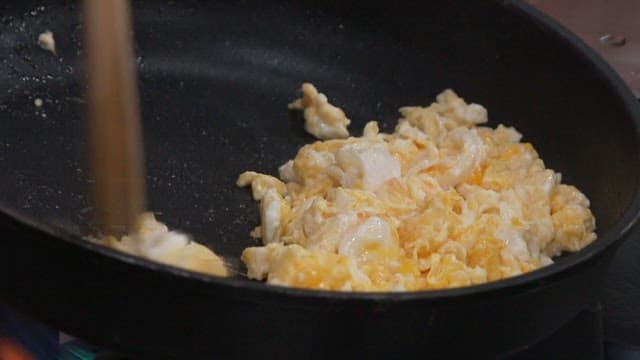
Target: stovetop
[{"x": 610, "y": 27}]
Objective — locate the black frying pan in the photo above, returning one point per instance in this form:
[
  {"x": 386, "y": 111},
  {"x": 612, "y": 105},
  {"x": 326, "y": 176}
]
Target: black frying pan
[{"x": 215, "y": 79}]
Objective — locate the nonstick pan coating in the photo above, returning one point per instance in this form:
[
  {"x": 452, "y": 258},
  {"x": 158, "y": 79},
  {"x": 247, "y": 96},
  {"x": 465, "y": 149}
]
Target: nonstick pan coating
[{"x": 215, "y": 79}]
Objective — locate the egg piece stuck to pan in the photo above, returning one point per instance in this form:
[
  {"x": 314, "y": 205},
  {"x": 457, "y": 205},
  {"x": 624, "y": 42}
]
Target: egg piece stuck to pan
[{"x": 152, "y": 240}]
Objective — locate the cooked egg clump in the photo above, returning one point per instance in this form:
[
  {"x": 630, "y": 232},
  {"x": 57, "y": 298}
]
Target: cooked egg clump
[
  {"x": 152, "y": 240},
  {"x": 441, "y": 202},
  {"x": 321, "y": 119}
]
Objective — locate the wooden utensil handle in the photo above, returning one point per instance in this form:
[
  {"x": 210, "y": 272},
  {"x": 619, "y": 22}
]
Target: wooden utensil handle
[{"x": 114, "y": 117}]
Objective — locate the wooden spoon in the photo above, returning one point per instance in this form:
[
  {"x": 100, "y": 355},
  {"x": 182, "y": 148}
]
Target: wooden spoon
[{"x": 114, "y": 117}]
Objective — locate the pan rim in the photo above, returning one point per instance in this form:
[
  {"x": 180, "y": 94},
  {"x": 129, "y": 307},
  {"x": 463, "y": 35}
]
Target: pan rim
[{"x": 615, "y": 234}]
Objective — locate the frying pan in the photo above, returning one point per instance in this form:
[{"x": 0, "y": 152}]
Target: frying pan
[{"x": 215, "y": 78}]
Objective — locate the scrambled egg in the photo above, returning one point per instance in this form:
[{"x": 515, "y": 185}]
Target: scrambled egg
[
  {"x": 441, "y": 202},
  {"x": 152, "y": 240},
  {"x": 321, "y": 119}
]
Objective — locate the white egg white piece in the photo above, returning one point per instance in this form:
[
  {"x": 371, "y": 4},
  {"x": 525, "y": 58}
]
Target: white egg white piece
[{"x": 367, "y": 164}]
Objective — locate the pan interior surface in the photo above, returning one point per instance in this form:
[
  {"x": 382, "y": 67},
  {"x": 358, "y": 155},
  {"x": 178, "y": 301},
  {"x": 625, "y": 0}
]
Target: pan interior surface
[{"x": 215, "y": 80}]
